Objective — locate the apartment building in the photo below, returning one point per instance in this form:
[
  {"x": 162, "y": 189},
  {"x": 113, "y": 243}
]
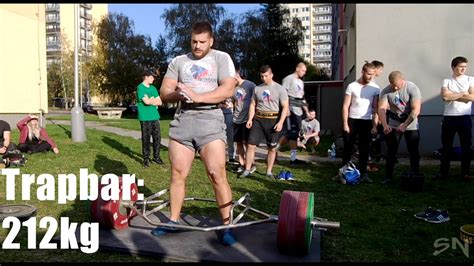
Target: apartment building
[
  {"x": 316, "y": 20},
  {"x": 420, "y": 40},
  {"x": 60, "y": 24}
]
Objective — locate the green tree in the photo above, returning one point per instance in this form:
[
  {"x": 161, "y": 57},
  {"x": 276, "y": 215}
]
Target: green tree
[
  {"x": 179, "y": 19},
  {"x": 123, "y": 57},
  {"x": 314, "y": 73},
  {"x": 284, "y": 34},
  {"x": 268, "y": 36},
  {"x": 226, "y": 39}
]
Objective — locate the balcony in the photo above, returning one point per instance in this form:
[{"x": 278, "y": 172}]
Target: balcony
[
  {"x": 323, "y": 31},
  {"x": 86, "y": 16},
  {"x": 320, "y": 41},
  {"x": 52, "y": 46},
  {"x": 52, "y": 7},
  {"x": 322, "y": 21},
  {"x": 53, "y": 30},
  {"x": 53, "y": 19},
  {"x": 321, "y": 12}
]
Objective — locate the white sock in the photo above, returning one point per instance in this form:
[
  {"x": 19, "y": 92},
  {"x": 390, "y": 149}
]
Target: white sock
[{"x": 293, "y": 155}]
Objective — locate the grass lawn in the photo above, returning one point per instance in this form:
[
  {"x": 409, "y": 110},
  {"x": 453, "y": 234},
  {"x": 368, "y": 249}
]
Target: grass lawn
[{"x": 377, "y": 223}]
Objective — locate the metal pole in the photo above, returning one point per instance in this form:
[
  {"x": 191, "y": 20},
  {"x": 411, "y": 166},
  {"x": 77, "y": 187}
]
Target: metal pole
[{"x": 77, "y": 115}]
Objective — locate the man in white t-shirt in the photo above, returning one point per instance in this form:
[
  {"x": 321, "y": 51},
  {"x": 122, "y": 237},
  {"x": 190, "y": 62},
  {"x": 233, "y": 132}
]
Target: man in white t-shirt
[
  {"x": 457, "y": 92},
  {"x": 358, "y": 119}
]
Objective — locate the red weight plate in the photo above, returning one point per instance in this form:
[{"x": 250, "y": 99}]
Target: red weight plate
[
  {"x": 115, "y": 214},
  {"x": 282, "y": 238},
  {"x": 299, "y": 230},
  {"x": 286, "y": 220},
  {"x": 292, "y": 219},
  {"x": 96, "y": 209},
  {"x": 133, "y": 199},
  {"x": 291, "y": 230}
]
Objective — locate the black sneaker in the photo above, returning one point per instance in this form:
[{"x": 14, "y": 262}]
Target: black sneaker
[
  {"x": 426, "y": 213},
  {"x": 438, "y": 218},
  {"x": 297, "y": 161},
  {"x": 241, "y": 169},
  {"x": 387, "y": 181},
  {"x": 158, "y": 161},
  {"x": 366, "y": 178},
  {"x": 146, "y": 163}
]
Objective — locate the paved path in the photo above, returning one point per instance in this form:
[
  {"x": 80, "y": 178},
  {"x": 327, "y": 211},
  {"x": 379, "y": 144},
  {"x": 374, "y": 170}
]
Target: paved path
[{"x": 260, "y": 152}]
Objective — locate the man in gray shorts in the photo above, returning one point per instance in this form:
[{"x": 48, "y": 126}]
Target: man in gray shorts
[
  {"x": 267, "y": 99},
  {"x": 199, "y": 80}
]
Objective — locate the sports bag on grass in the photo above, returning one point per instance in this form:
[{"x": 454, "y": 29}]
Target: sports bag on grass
[{"x": 349, "y": 174}]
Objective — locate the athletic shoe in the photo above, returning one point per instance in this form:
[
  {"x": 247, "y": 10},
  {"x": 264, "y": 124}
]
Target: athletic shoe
[
  {"x": 270, "y": 175},
  {"x": 240, "y": 169},
  {"x": 438, "y": 218},
  {"x": 158, "y": 161},
  {"x": 253, "y": 168},
  {"x": 297, "y": 161},
  {"x": 366, "y": 178},
  {"x": 282, "y": 175},
  {"x": 426, "y": 213},
  {"x": 387, "y": 181},
  {"x": 227, "y": 238},
  {"x": 160, "y": 230},
  {"x": 289, "y": 176},
  {"x": 246, "y": 173}
]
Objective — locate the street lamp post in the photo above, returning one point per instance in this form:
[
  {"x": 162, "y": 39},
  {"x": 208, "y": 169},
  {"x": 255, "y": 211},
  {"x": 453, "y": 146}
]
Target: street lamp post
[{"x": 77, "y": 115}]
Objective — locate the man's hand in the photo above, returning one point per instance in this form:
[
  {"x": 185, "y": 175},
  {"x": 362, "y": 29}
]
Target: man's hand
[
  {"x": 346, "y": 128},
  {"x": 56, "y": 150},
  {"x": 387, "y": 129},
  {"x": 278, "y": 127},
  {"x": 187, "y": 95},
  {"x": 249, "y": 124},
  {"x": 402, "y": 127},
  {"x": 3, "y": 150},
  {"x": 374, "y": 130}
]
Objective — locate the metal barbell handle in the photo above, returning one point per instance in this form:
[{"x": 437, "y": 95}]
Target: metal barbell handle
[{"x": 325, "y": 224}]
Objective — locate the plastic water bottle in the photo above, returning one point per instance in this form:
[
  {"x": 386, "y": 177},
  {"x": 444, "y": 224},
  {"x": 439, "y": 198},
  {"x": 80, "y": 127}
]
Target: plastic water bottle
[{"x": 333, "y": 151}]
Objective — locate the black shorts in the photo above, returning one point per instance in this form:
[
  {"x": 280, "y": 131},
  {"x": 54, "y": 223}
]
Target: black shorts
[
  {"x": 295, "y": 123},
  {"x": 262, "y": 129},
  {"x": 241, "y": 132}
]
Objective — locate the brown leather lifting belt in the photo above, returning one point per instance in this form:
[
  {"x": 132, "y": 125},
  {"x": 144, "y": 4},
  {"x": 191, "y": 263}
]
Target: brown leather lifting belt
[{"x": 267, "y": 115}]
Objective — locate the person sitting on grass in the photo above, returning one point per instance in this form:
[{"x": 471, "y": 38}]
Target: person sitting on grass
[
  {"x": 33, "y": 138},
  {"x": 309, "y": 132}
]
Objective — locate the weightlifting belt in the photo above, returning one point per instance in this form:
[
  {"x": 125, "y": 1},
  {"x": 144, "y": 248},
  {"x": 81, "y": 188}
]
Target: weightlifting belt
[
  {"x": 267, "y": 115},
  {"x": 297, "y": 102},
  {"x": 198, "y": 106}
]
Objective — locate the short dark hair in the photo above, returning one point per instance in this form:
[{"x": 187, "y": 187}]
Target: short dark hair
[
  {"x": 458, "y": 60},
  {"x": 311, "y": 110},
  {"x": 377, "y": 64},
  {"x": 149, "y": 72},
  {"x": 367, "y": 65},
  {"x": 202, "y": 27},
  {"x": 265, "y": 68}
]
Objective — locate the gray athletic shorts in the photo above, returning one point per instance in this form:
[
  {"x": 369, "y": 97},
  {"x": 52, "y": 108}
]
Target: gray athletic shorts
[{"x": 196, "y": 128}]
